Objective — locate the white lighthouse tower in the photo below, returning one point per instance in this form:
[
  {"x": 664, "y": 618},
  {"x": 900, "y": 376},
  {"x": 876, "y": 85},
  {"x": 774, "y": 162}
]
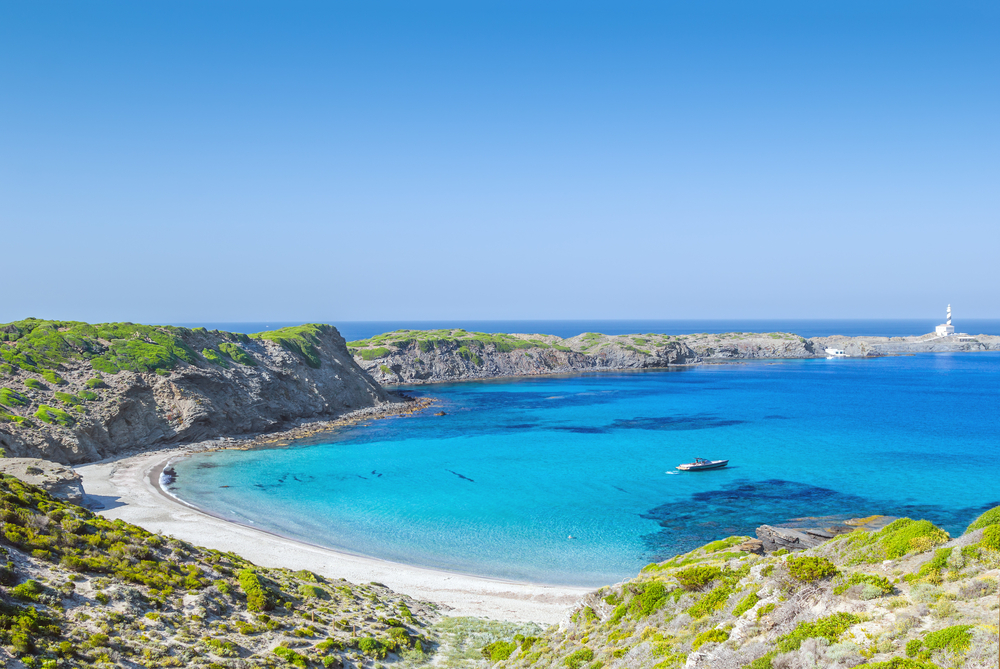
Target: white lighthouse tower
[{"x": 945, "y": 330}]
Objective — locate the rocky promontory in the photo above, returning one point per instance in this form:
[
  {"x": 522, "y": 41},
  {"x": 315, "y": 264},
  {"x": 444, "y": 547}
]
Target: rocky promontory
[
  {"x": 74, "y": 392},
  {"x": 428, "y": 356}
]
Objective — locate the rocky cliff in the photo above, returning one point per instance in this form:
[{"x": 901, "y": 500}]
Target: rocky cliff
[
  {"x": 415, "y": 356},
  {"x": 73, "y": 392},
  {"x": 427, "y": 356}
]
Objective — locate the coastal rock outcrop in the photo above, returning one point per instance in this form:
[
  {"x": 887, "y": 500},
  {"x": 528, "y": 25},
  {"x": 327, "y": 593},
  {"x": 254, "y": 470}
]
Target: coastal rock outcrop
[
  {"x": 411, "y": 356},
  {"x": 427, "y": 356},
  {"x": 74, "y": 393},
  {"x": 56, "y": 479}
]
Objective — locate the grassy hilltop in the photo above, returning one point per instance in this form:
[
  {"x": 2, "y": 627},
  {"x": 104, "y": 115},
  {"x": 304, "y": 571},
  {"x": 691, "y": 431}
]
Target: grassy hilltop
[{"x": 74, "y": 392}]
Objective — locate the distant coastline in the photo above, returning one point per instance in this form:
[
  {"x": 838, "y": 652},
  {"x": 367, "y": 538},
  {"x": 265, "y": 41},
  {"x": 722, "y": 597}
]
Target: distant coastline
[{"x": 566, "y": 328}]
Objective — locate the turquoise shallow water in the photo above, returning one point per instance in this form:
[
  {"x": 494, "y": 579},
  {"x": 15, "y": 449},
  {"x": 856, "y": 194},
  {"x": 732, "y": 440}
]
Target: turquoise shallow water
[{"x": 498, "y": 485}]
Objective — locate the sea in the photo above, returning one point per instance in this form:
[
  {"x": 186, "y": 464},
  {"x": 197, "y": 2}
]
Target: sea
[{"x": 571, "y": 479}]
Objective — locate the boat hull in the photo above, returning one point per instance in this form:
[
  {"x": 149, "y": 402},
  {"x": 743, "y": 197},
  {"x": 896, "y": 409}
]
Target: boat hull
[{"x": 717, "y": 464}]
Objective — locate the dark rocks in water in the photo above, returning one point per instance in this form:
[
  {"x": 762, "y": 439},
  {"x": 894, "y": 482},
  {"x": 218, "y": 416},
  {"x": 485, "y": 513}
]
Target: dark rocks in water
[
  {"x": 167, "y": 476},
  {"x": 441, "y": 413}
]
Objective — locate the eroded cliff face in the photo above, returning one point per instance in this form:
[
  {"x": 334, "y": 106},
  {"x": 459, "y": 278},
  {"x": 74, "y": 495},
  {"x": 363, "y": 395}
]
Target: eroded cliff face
[
  {"x": 429, "y": 356},
  {"x": 78, "y": 420},
  {"x": 412, "y": 356}
]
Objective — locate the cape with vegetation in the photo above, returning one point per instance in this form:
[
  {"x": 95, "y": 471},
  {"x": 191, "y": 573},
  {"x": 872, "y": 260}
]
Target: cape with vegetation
[
  {"x": 74, "y": 392},
  {"x": 907, "y": 596},
  {"x": 427, "y": 356}
]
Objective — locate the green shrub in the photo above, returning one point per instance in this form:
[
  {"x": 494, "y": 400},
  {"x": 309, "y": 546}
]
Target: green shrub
[
  {"x": 35, "y": 384},
  {"x": 991, "y": 517},
  {"x": 498, "y": 650},
  {"x": 763, "y": 662},
  {"x": 48, "y": 414},
  {"x": 709, "y": 636},
  {"x": 931, "y": 570},
  {"x": 746, "y": 604},
  {"x": 300, "y": 339},
  {"x": 647, "y": 597},
  {"x": 214, "y": 357},
  {"x": 809, "y": 569},
  {"x": 96, "y": 382},
  {"x": 883, "y": 584},
  {"x": 374, "y": 353},
  {"x": 900, "y": 537},
  {"x": 991, "y": 538},
  {"x": 52, "y": 377},
  {"x": 88, "y": 396},
  {"x": 237, "y": 354},
  {"x": 695, "y": 578},
  {"x": 27, "y": 591},
  {"x": 371, "y": 647},
  {"x": 258, "y": 597},
  {"x": 957, "y": 639},
  {"x": 829, "y": 628},
  {"x": 12, "y": 398},
  {"x": 308, "y": 591},
  {"x": 711, "y": 602},
  {"x": 66, "y": 398},
  {"x": 575, "y": 659},
  {"x": 290, "y": 656}
]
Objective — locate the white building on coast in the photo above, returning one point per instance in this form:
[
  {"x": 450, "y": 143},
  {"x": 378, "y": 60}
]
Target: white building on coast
[{"x": 945, "y": 330}]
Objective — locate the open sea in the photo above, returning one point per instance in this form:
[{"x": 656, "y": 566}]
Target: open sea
[{"x": 571, "y": 480}]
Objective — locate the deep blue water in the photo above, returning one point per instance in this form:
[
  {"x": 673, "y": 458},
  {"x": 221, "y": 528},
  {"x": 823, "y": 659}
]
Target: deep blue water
[
  {"x": 804, "y": 328},
  {"x": 498, "y": 485}
]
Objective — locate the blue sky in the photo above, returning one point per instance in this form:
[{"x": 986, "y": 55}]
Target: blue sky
[{"x": 236, "y": 161}]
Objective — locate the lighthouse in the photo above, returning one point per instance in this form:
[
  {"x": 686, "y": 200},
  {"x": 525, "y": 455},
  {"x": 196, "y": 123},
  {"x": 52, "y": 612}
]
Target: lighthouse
[{"x": 945, "y": 330}]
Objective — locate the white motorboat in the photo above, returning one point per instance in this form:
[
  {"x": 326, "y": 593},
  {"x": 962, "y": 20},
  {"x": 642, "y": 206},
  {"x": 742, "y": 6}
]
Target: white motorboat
[{"x": 701, "y": 464}]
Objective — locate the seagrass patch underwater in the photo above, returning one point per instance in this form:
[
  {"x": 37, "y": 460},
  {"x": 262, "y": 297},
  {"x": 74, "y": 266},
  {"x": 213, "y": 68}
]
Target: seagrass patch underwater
[{"x": 571, "y": 480}]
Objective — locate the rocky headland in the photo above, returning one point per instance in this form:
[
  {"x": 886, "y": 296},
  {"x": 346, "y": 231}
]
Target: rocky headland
[
  {"x": 73, "y": 392},
  {"x": 428, "y": 356}
]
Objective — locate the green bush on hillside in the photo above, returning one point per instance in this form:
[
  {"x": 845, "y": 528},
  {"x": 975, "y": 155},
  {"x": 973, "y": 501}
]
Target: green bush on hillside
[
  {"x": 829, "y": 628},
  {"x": 214, "y": 357},
  {"x": 52, "y": 377},
  {"x": 695, "y": 578},
  {"x": 991, "y": 517},
  {"x": 300, "y": 339},
  {"x": 12, "y": 398},
  {"x": 498, "y": 650},
  {"x": 48, "y": 414},
  {"x": 66, "y": 398},
  {"x": 809, "y": 569},
  {"x": 237, "y": 353},
  {"x": 258, "y": 597},
  {"x": 898, "y": 538},
  {"x": 35, "y": 384},
  {"x": 709, "y": 636}
]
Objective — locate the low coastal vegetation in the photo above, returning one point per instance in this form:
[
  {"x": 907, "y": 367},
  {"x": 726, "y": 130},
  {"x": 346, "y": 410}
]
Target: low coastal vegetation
[
  {"x": 905, "y": 597},
  {"x": 79, "y": 590}
]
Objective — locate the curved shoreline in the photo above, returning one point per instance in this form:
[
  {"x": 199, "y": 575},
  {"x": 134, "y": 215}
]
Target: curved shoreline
[{"x": 126, "y": 490}]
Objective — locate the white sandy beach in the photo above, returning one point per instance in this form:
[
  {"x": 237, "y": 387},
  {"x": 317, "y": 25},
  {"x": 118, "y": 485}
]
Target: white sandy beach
[{"x": 125, "y": 488}]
